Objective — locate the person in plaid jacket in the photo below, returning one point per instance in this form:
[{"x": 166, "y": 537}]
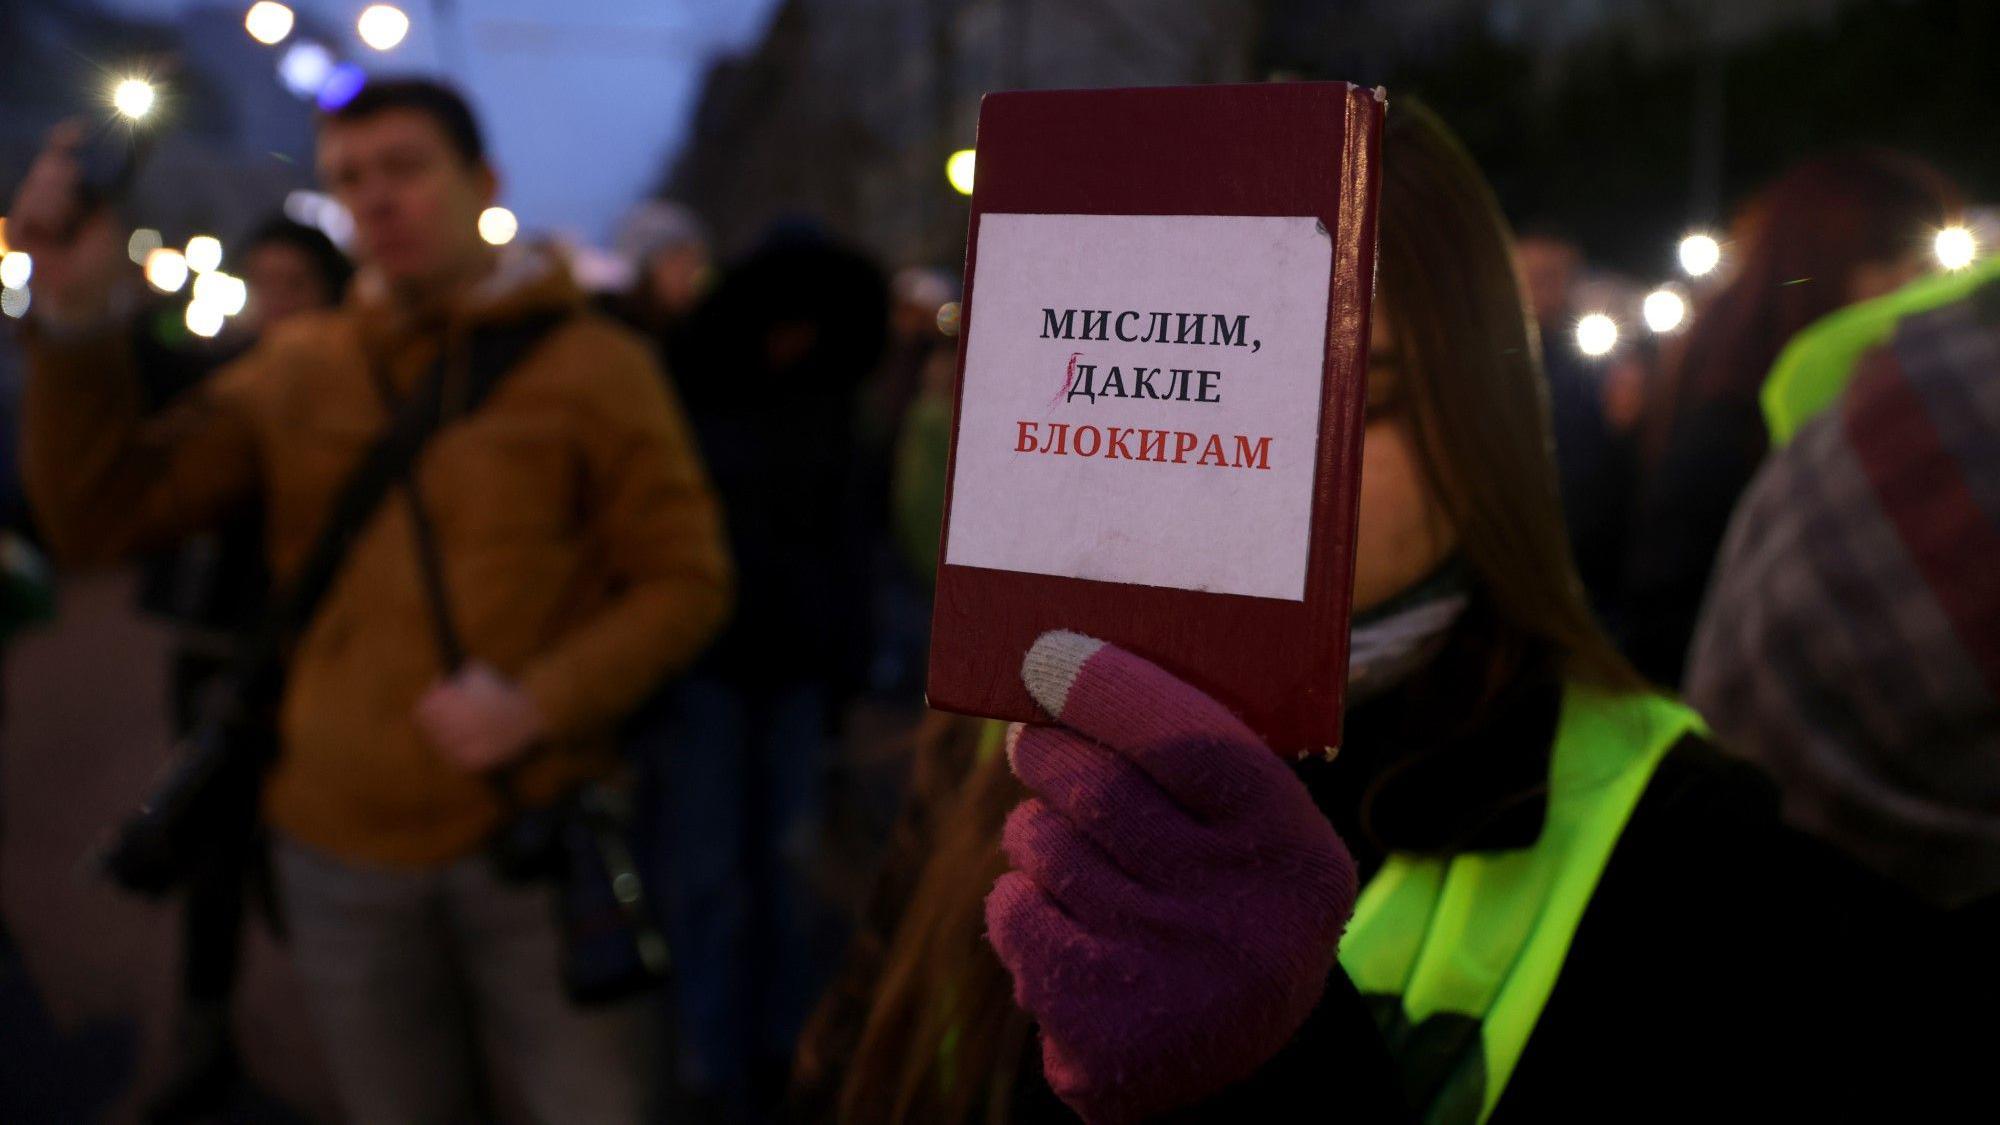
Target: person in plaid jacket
[{"x": 1850, "y": 642}]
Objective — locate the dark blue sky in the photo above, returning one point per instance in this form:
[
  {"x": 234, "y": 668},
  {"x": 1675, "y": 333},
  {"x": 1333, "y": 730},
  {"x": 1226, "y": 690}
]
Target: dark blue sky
[{"x": 583, "y": 100}]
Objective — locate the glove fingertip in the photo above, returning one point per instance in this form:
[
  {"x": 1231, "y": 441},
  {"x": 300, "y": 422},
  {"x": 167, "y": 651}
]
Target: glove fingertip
[
  {"x": 1052, "y": 665},
  {"x": 1010, "y": 744}
]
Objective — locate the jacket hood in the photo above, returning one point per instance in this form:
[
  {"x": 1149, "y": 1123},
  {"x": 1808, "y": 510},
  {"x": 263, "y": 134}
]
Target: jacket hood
[{"x": 525, "y": 279}]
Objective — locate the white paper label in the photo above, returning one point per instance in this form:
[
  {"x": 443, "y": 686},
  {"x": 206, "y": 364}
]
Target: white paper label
[{"x": 1098, "y": 439}]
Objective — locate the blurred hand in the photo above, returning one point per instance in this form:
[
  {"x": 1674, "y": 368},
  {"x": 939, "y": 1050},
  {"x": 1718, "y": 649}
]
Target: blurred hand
[
  {"x": 76, "y": 259},
  {"x": 1176, "y": 898},
  {"x": 479, "y": 719}
]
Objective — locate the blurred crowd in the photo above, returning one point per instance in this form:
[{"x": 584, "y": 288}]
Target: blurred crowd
[{"x": 675, "y": 540}]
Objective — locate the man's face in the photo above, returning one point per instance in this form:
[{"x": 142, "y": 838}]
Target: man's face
[{"x": 415, "y": 201}]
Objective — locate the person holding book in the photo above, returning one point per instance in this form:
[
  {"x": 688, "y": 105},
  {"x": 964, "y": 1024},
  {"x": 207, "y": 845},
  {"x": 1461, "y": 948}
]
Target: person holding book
[{"x": 1527, "y": 888}]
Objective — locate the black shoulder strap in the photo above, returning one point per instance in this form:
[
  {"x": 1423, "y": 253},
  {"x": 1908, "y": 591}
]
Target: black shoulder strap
[
  {"x": 493, "y": 353},
  {"x": 492, "y": 356}
]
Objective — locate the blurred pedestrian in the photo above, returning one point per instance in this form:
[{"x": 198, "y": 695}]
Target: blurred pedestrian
[
  {"x": 1594, "y": 459},
  {"x": 667, "y": 251},
  {"x": 211, "y": 589},
  {"x": 772, "y": 362},
  {"x": 1825, "y": 234},
  {"x": 577, "y": 551},
  {"x": 212, "y": 585},
  {"x": 1851, "y": 641}
]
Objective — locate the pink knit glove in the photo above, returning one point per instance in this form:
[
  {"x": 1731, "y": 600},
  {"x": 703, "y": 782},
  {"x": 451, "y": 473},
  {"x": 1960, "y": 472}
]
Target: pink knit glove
[{"x": 1176, "y": 899}]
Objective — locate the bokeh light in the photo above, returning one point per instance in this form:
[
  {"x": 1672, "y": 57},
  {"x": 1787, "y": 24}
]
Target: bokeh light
[
  {"x": 304, "y": 68},
  {"x": 382, "y": 26},
  {"x": 1955, "y": 247},
  {"x": 204, "y": 319},
  {"x": 1700, "y": 254},
  {"x": 133, "y": 98},
  {"x": 226, "y": 292},
  {"x": 268, "y": 22},
  {"x": 144, "y": 241},
  {"x": 15, "y": 269},
  {"x": 498, "y": 225},
  {"x": 1664, "y": 310},
  {"x": 340, "y": 86},
  {"x": 203, "y": 253},
  {"x": 166, "y": 270},
  {"x": 958, "y": 169},
  {"x": 1596, "y": 334}
]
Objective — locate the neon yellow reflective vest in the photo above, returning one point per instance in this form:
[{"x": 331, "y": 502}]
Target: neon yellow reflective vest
[
  {"x": 1458, "y": 955},
  {"x": 1816, "y": 366}
]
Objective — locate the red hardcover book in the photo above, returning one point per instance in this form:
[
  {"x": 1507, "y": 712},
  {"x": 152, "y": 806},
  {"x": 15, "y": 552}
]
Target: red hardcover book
[{"x": 1160, "y": 387}]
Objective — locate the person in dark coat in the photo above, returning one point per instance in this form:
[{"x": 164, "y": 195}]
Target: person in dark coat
[
  {"x": 1882, "y": 720},
  {"x": 736, "y": 752},
  {"x": 1594, "y": 460}
]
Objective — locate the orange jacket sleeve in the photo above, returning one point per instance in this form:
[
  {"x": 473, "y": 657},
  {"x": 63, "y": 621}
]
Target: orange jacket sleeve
[
  {"x": 105, "y": 480},
  {"x": 653, "y": 516}
]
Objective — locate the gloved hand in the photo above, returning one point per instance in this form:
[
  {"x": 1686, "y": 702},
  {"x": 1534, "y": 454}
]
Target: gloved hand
[{"x": 1176, "y": 898}]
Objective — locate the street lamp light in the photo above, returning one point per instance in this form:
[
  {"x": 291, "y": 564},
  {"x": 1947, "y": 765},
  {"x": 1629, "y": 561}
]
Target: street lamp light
[
  {"x": 1700, "y": 254},
  {"x": 1664, "y": 311},
  {"x": 382, "y": 26},
  {"x": 958, "y": 169},
  {"x": 1955, "y": 247},
  {"x": 268, "y": 22},
  {"x": 1596, "y": 335},
  {"x": 497, "y": 225},
  {"x": 133, "y": 98}
]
